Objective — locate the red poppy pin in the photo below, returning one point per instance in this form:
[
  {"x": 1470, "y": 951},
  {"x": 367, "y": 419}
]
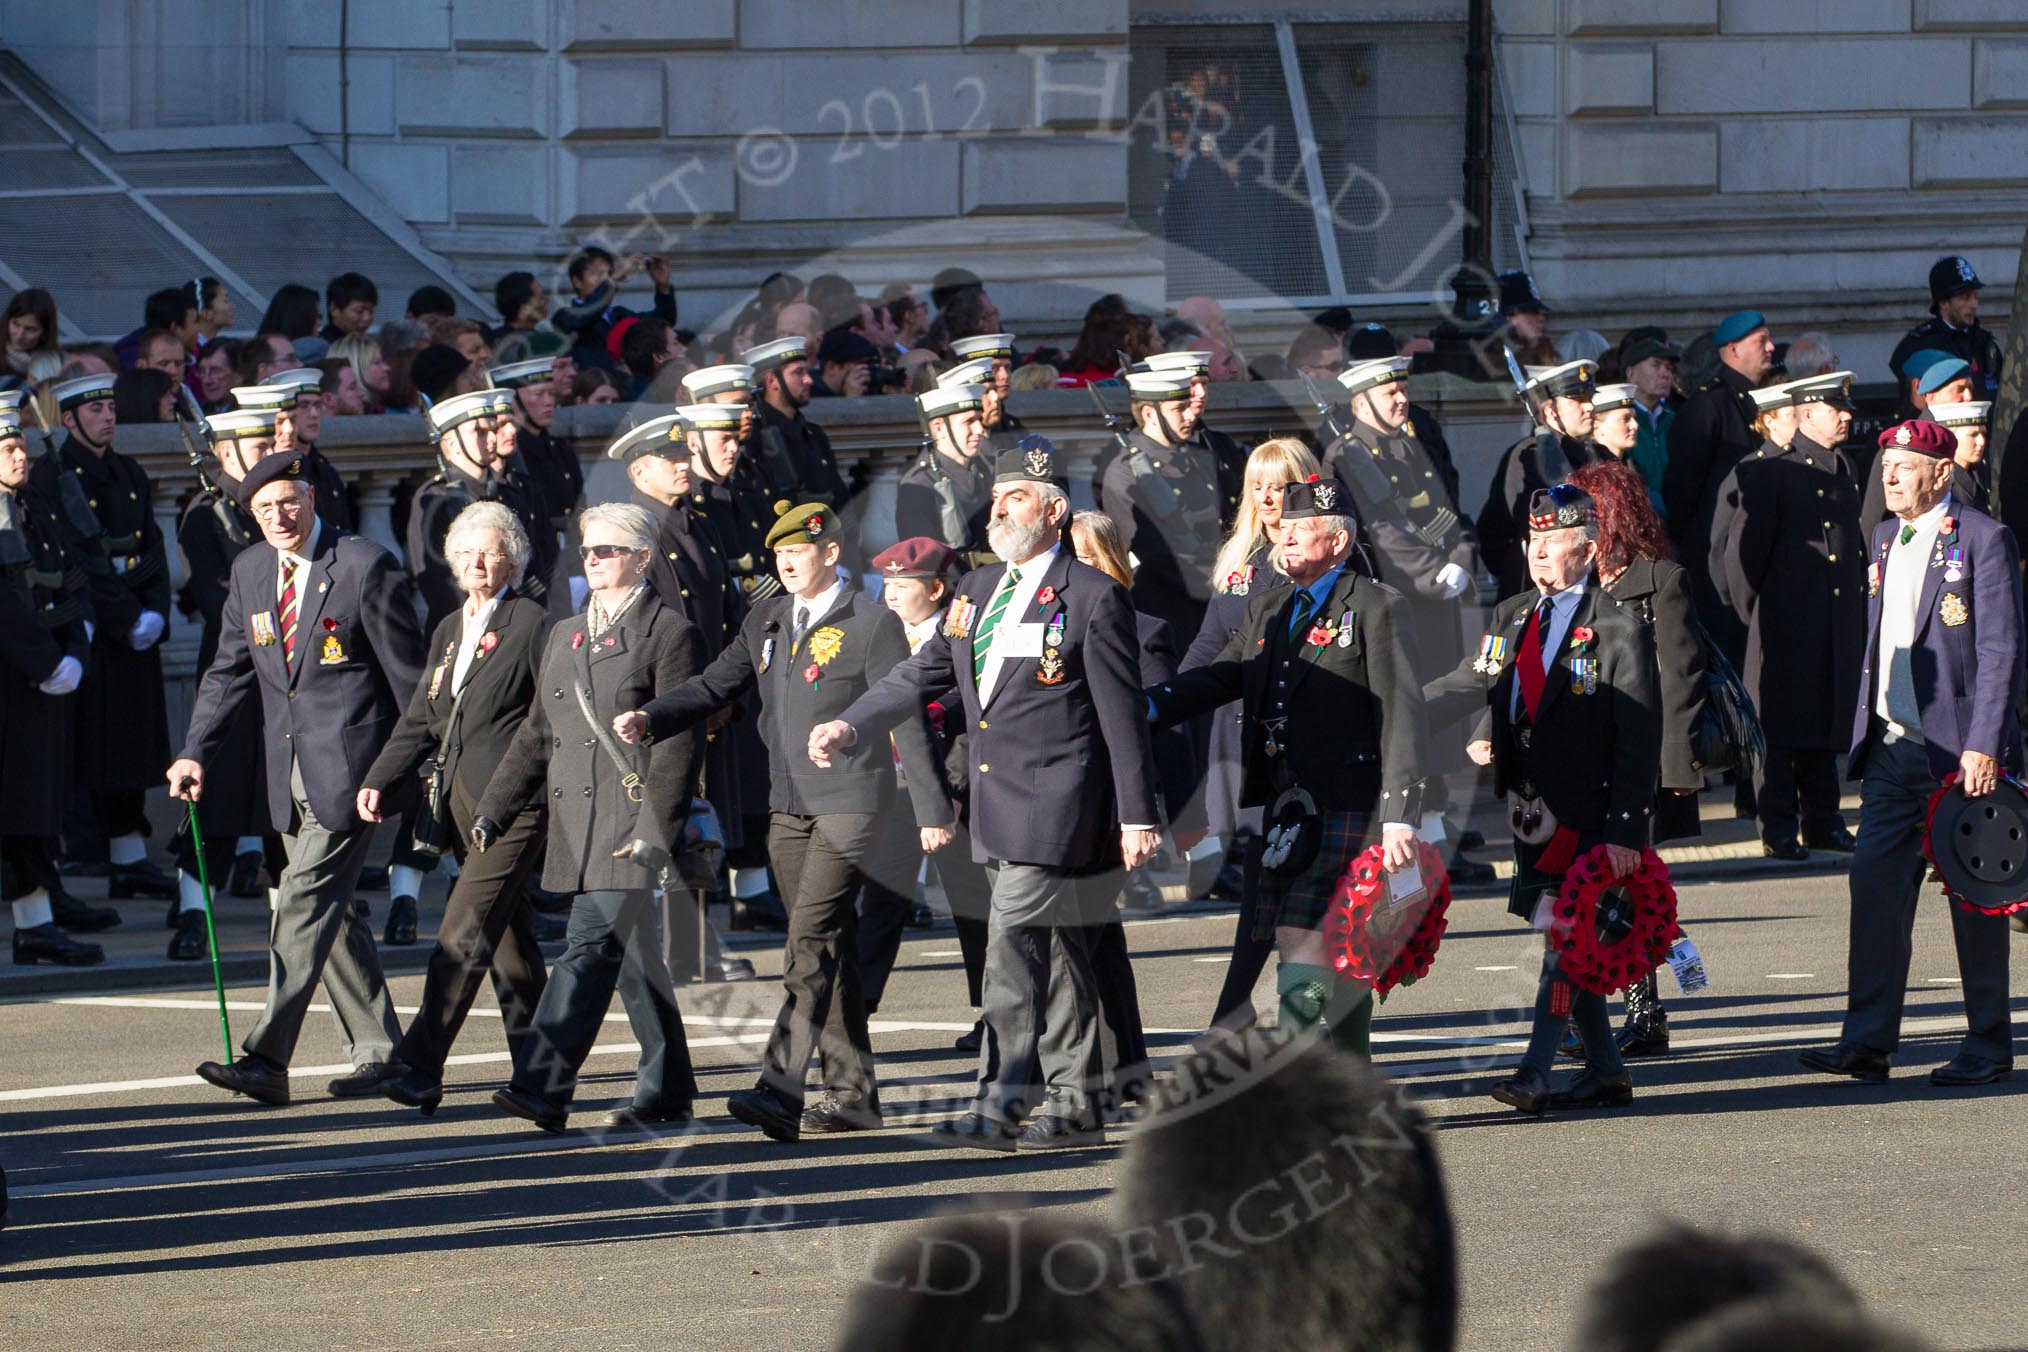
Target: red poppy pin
[
  {"x": 488, "y": 641},
  {"x": 330, "y": 625},
  {"x": 1319, "y": 636},
  {"x": 811, "y": 672},
  {"x": 577, "y": 641},
  {"x": 1045, "y": 596},
  {"x": 1950, "y": 525},
  {"x": 1581, "y": 636}
]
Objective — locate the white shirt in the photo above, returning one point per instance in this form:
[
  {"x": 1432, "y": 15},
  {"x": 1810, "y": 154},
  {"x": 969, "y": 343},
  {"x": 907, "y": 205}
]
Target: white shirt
[
  {"x": 1555, "y": 625},
  {"x": 1900, "y": 612},
  {"x": 815, "y": 609},
  {"x": 468, "y": 642},
  {"x": 919, "y": 634},
  {"x": 1008, "y": 641}
]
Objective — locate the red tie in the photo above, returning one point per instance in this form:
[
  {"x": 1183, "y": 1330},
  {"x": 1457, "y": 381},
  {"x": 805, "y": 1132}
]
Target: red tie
[
  {"x": 288, "y": 609},
  {"x": 1528, "y": 666}
]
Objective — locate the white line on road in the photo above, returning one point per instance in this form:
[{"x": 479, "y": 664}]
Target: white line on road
[
  {"x": 1496, "y": 969},
  {"x": 1791, "y": 976}
]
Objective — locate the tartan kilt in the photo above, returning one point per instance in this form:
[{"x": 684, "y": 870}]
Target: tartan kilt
[{"x": 1303, "y": 902}]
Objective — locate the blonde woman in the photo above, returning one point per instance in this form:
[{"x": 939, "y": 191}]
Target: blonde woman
[{"x": 1247, "y": 565}]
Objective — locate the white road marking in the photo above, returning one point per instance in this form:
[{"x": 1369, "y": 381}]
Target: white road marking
[
  {"x": 941, "y": 953},
  {"x": 1496, "y": 969},
  {"x": 1945, "y": 980},
  {"x": 1220, "y": 958},
  {"x": 1791, "y": 976}
]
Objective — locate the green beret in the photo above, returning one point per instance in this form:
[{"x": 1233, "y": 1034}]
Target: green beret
[{"x": 806, "y": 524}]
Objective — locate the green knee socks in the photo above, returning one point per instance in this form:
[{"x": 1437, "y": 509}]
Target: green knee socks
[{"x": 1311, "y": 995}]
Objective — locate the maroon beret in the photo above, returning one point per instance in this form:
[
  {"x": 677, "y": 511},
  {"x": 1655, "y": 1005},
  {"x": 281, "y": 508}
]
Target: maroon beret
[
  {"x": 917, "y": 556},
  {"x": 1921, "y": 436}
]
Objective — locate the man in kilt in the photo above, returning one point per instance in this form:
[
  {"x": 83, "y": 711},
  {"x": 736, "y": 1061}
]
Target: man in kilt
[{"x": 1332, "y": 745}]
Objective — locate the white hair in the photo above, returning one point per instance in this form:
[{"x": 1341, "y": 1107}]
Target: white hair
[
  {"x": 492, "y": 516},
  {"x": 636, "y": 530}
]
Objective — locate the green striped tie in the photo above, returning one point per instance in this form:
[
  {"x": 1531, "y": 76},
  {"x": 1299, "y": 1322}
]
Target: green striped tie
[{"x": 982, "y": 641}]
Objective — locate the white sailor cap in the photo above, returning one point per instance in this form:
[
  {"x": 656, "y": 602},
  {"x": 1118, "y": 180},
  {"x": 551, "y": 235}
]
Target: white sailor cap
[
  {"x": 711, "y": 417},
  {"x": 1960, "y": 415},
  {"x": 242, "y": 422},
  {"x": 1158, "y": 386},
  {"x": 303, "y": 379},
  {"x": 976, "y": 371},
  {"x": 780, "y": 352},
  {"x": 10, "y": 400},
  {"x": 448, "y": 414},
  {"x": 1361, "y": 376},
  {"x": 1192, "y": 362},
  {"x": 1608, "y": 397},
  {"x": 10, "y": 423},
  {"x": 264, "y": 396},
  {"x": 502, "y": 399},
  {"x": 1572, "y": 380},
  {"x": 709, "y": 380},
  {"x": 948, "y": 399},
  {"x": 82, "y": 389},
  {"x": 1768, "y": 398},
  {"x": 653, "y": 437},
  {"x": 515, "y": 374},
  {"x": 984, "y": 345}
]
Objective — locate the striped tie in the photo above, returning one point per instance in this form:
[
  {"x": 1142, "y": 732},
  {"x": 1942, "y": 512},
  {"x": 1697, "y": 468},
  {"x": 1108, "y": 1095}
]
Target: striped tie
[
  {"x": 288, "y": 610},
  {"x": 982, "y": 641}
]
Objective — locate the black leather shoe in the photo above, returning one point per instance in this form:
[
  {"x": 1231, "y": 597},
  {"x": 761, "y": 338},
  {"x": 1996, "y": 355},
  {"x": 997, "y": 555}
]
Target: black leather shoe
[
  {"x": 1047, "y": 1131},
  {"x": 1595, "y": 1090},
  {"x": 972, "y": 1041},
  {"x": 828, "y": 1115},
  {"x": 250, "y": 1075},
  {"x": 1968, "y": 1068},
  {"x": 763, "y": 911},
  {"x": 976, "y": 1131},
  {"x": 400, "y": 930},
  {"x": 246, "y": 875},
  {"x": 47, "y": 943},
  {"x": 529, "y": 1108},
  {"x": 1141, "y": 895},
  {"x": 1466, "y": 872},
  {"x": 366, "y": 1080},
  {"x": 1644, "y": 1038},
  {"x": 1840, "y": 841},
  {"x": 1862, "y": 1065},
  {"x": 1789, "y": 850},
  {"x": 130, "y": 882},
  {"x": 73, "y": 915},
  {"x": 731, "y": 967},
  {"x": 646, "y": 1115},
  {"x": 415, "y": 1090},
  {"x": 191, "y": 941},
  {"x": 921, "y": 917},
  {"x": 762, "y": 1108},
  {"x": 1527, "y": 1092}
]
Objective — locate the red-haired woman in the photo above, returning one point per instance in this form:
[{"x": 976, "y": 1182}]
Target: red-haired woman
[{"x": 1635, "y": 569}]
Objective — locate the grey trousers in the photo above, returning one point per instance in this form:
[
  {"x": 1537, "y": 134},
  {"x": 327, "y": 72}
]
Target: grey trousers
[
  {"x": 1887, "y": 873},
  {"x": 1041, "y": 998},
  {"x": 317, "y": 936}
]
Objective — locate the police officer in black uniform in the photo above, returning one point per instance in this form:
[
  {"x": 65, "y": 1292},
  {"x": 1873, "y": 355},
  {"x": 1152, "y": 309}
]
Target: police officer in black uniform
[
  {"x": 946, "y": 493},
  {"x": 45, "y": 604},
  {"x": 1559, "y": 397},
  {"x": 214, "y": 529},
  {"x": 122, "y": 742},
  {"x": 1953, "y": 327},
  {"x": 1795, "y": 561},
  {"x": 1161, "y": 487}
]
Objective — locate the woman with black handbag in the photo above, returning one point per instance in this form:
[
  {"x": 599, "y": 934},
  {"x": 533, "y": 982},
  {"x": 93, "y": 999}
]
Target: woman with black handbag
[
  {"x": 615, "y": 818},
  {"x": 473, "y": 697},
  {"x": 1635, "y": 569}
]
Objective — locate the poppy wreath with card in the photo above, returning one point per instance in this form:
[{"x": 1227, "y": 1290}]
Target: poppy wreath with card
[
  {"x": 1368, "y": 940},
  {"x": 1610, "y": 932}
]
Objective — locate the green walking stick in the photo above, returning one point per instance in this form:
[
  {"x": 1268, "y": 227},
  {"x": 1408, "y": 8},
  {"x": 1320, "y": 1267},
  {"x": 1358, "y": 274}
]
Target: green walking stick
[{"x": 211, "y": 932}]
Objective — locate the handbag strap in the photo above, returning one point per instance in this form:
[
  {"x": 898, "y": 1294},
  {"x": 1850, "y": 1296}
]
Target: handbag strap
[{"x": 630, "y": 779}]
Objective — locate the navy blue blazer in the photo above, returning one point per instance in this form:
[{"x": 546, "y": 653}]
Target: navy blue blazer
[
  {"x": 1059, "y": 755},
  {"x": 1967, "y": 656},
  {"x": 359, "y": 653}
]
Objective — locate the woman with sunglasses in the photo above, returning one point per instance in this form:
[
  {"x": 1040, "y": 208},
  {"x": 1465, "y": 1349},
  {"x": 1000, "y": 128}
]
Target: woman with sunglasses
[{"x": 613, "y": 814}]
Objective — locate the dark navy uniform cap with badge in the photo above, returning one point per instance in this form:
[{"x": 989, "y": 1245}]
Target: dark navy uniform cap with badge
[
  {"x": 1833, "y": 388},
  {"x": 1572, "y": 380},
  {"x": 1950, "y": 276},
  {"x": 269, "y": 469},
  {"x": 1518, "y": 295},
  {"x": 1316, "y": 496},
  {"x": 1033, "y": 460}
]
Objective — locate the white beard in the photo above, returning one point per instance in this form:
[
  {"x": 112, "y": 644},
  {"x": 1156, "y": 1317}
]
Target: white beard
[{"x": 1011, "y": 541}]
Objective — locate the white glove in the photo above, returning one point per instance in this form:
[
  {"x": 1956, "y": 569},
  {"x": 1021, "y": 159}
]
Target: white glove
[
  {"x": 1453, "y": 580},
  {"x": 68, "y": 673},
  {"x": 147, "y": 630}
]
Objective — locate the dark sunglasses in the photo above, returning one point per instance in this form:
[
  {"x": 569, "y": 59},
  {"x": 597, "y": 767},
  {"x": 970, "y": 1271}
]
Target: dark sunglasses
[{"x": 589, "y": 552}]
